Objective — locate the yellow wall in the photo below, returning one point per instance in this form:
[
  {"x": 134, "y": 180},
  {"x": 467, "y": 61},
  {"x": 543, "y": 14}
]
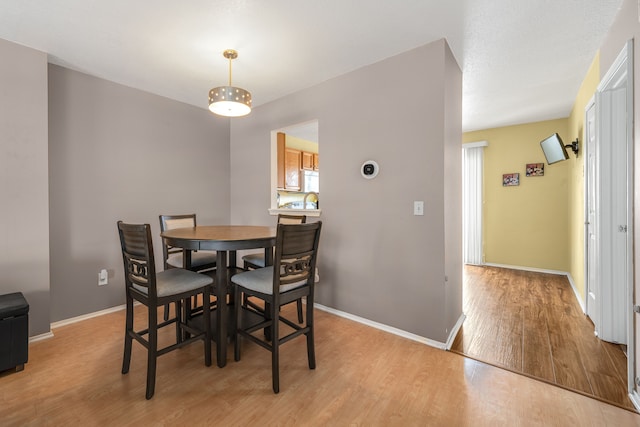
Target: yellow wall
[
  {"x": 527, "y": 225},
  {"x": 539, "y": 224},
  {"x": 576, "y": 177},
  {"x": 301, "y": 144}
]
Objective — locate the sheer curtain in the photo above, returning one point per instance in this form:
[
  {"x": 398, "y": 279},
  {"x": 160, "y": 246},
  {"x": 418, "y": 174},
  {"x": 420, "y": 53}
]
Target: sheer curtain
[{"x": 472, "y": 161}]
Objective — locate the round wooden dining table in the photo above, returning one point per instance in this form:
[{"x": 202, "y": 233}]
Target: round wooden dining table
[{"x": 225, "y": 240}]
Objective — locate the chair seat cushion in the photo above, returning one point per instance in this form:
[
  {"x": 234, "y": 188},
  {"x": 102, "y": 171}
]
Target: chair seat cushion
[
  {"x": 176, "y": 281},
  {"x": 261, "y": 280},
  {"x": 198, "y": 259},
  {"x": 255, "y": 259}
]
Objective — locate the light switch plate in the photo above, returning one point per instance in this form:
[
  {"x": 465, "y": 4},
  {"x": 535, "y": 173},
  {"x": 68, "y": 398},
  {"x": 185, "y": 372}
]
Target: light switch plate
[
  {"x": 103, "y": 277},
  {"x": 418, "y": 207}
]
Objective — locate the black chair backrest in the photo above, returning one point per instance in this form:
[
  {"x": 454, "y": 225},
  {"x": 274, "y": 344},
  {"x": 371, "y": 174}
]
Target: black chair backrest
[
  {"x": 296, "y": 253},
  {"x": 137, "y": 257}
]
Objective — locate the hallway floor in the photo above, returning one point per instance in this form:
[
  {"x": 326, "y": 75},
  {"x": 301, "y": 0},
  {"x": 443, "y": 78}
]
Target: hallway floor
[{"x": 531, "y": 323}]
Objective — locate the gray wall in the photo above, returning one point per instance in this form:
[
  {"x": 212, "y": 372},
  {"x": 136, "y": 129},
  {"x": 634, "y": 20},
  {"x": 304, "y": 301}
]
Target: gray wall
[
  {"x": 120, "y": 153},
  {"x": 377, "y": 260},
  {"x": 452, "y": 189},
  {"x": 24, "y": 216}
]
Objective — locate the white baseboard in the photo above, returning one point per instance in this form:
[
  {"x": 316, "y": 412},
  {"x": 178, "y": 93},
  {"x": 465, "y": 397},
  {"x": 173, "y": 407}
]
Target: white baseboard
[
  {"x": 454, "y": 331},
  {"x": 371, "y": 323},
  {"x": 87, "y": 316},
  {"x": 535, "y": 269},
  {"x": 577, "y": 294},
  {"x": 635, "y": 399},
  {"x": 41, "y": 337},
  {"x": 71, "y": 320},
  {"x": 542, "y": 270},
  {"x": 382, "y": 327}
]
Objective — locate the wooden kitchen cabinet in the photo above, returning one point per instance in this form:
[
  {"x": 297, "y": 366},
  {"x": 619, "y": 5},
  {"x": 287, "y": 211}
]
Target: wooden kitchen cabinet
[
  {"x": 289, "y": 165},
  {"x": 310, "y": 161},
  {"x": 280, "y": 159},
  {"x": 307, "y": 161},
  {"x": 292, "y": 166}
]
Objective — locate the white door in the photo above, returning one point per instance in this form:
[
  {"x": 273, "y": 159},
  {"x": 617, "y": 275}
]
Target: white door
[
  {"x": 613, "y": 203},
  {"x": 590, "y": 214}
]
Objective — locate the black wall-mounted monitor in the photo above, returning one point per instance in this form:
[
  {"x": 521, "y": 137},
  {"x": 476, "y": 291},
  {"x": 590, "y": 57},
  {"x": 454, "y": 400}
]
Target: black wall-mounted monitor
[{"x": 553, "y": 149}]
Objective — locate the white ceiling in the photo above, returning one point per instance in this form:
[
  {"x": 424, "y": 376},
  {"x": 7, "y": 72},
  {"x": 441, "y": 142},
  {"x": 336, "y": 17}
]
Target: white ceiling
[{"x": 523, "y": 60}]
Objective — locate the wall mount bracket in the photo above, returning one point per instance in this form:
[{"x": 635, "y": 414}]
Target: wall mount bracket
[{"x": 573, "y": 146}]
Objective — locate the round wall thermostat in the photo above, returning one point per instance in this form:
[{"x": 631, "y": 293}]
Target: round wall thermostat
[{"x": 369, "y": 169}]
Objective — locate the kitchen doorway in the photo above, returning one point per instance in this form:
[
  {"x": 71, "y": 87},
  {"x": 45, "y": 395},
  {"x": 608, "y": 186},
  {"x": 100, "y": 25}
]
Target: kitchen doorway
[{"x": 295, "y": 169}]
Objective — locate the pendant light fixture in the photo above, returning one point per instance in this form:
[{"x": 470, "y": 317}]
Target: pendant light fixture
[{"x": 230, "y": 101}]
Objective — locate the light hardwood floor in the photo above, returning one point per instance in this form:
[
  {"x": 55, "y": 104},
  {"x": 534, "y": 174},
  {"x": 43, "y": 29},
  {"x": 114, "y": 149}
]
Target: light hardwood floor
[
  {"x": 364, "y": 377},
  {"x": 531, "y": 323}
]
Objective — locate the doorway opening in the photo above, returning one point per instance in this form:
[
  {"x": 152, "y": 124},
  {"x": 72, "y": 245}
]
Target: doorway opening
[
  {"x": 615, "y": 112},
  {"x": 295, "y": 169}
]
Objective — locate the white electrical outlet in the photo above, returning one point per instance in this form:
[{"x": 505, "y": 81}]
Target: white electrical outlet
[
  {"x": 103, "y": 277},
  {"x": 418, "y": 207}
]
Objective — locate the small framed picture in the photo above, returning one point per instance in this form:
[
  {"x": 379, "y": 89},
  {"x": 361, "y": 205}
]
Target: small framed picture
[
  {"x": 535, "y": 169},
  {"x": 510, "y": 179}
]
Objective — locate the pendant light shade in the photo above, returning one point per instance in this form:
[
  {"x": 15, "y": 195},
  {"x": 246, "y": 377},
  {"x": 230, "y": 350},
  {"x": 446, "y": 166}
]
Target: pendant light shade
[{"x": 230, "y": 101}]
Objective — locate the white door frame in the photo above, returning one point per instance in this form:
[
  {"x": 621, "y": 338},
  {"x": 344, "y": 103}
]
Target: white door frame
[{"x": 589, "y": 132}]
